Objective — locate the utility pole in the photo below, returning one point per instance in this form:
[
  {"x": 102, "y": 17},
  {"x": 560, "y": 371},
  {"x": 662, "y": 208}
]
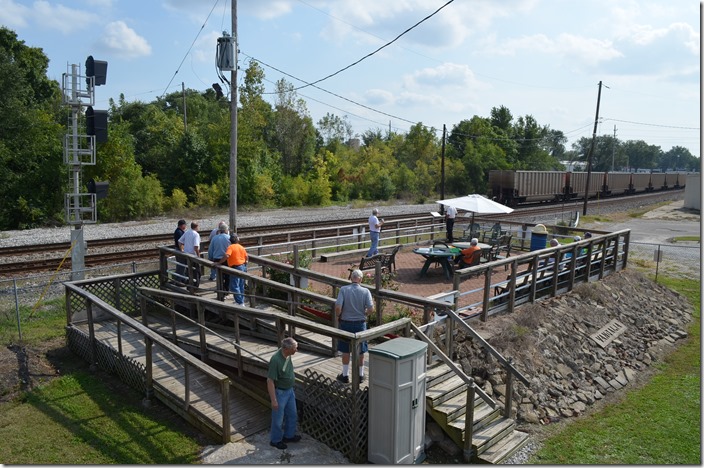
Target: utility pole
[
  {"x": 185, "y": 119},
  {"x": 591, "y": 152},
  {"x": 442, "y": 170},
  {"x": 233, "y": 125},
  {"x": 613, "y": 150}
]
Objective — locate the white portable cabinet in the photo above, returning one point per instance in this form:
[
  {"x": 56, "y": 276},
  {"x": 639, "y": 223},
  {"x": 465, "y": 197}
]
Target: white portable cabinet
[{"x": 397, "y": 402}]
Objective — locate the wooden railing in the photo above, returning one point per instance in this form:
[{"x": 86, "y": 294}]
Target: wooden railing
[
  {"x": 152, "y": 340},
  {"x": 545, "y": 272}
]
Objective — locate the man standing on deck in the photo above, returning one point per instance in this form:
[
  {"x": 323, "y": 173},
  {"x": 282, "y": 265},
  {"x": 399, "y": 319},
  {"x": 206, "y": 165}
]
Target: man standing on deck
[
  {"x": 190, "y": 244},
  {"x": 353, "y": 305},
  {"x": 279, "y": 383},
  {"x": 374, "y": 232},
  {"x": 450, "y": 214}
]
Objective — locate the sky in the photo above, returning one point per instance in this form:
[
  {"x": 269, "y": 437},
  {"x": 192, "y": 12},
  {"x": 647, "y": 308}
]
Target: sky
[{"x": 399, "y": 62}]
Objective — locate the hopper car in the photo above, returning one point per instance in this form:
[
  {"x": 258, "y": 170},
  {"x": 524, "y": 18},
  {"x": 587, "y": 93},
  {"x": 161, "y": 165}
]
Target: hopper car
[{"x": 512, "y": 187}]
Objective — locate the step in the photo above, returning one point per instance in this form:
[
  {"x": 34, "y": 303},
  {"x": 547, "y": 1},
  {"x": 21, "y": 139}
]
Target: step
[
  {"x": 507, "y": 447},
  {"x": 483, "y": 415},
  {"x": 445, "y": 390},
  {"x": 492, "y": 434},
  {"x": 456, "y": 407}
]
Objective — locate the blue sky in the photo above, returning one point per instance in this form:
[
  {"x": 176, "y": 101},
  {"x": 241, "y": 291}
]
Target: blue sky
[{"x": 543, "y": 58}]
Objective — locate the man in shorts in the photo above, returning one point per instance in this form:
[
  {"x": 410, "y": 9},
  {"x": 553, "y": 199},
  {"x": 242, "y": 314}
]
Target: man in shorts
[{"x": 353, "y": 305}]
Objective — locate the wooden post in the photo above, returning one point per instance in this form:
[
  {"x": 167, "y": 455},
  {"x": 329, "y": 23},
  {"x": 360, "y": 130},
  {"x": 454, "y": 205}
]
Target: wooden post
[
  {"x": 201, "y": 331},
  {"x": 509, "y": 390},
  {"x": 468, "y": 424},
  {"x": 149, "y": 381},
  {"x": 93, "y": 347},
  {"x": 226, "y": 429}
]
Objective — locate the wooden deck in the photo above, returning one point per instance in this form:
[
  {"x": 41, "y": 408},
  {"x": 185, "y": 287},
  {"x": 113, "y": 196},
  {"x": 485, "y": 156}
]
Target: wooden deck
[{"x": 248, "y": 399}]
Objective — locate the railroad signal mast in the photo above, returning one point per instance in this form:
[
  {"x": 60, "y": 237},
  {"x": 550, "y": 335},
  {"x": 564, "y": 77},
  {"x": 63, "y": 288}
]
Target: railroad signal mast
[{"x": 79, "y": 150}]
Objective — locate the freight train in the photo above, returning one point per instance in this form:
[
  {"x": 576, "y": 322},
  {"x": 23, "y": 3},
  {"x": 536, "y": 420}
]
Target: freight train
[{"x": 515, "y": 187}]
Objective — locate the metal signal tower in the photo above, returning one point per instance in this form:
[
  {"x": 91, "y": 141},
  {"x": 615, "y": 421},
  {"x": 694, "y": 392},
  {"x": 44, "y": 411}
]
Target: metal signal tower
[{"x": 79, "y": 150}]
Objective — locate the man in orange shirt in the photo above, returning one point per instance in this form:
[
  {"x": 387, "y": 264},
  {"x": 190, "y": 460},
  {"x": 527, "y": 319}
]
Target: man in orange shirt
[
  {"x": 236, "y": 257},
  {"x": 466, "y": 259}
]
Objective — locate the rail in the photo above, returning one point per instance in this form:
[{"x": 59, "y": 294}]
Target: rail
[{"x": 153, "y": 342}]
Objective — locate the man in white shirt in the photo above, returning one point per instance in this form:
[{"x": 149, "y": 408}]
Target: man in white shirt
[
  {"x": 450, "y": 214},
  {"x": 374, "y": 232},
  {"x": 190, "y": 244}
]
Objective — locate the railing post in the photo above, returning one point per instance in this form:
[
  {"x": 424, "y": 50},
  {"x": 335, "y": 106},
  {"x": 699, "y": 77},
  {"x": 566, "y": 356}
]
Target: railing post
[
  {"x": 91, "y": 337},
  {"x": 468, "y": 424},
  {"x": 201, "y": 331},
  {"x": 509, "y": 390},
  {"x": 225, "y": 391},
  {"x": 487, "y": 294},
  {"x": 377, "y": 287},
  {"x": 148, "y": 381}
]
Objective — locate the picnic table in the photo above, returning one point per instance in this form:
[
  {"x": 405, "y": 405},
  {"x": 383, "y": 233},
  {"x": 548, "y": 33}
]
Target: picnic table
[{"x": 437, "y": 255}]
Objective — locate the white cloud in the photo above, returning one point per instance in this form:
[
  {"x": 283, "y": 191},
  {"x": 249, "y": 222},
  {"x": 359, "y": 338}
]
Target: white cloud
[
  {"x": 53, "y": 17},
  {"x": 379, "y": 97},
  {"x": 12, "y": 14},
  {"x": 121, "y": 40},
  {"x": 445, "y": 75}
]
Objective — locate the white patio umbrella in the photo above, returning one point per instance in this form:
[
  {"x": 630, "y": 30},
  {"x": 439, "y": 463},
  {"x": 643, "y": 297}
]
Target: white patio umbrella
[{"x": 476, "y": 204}]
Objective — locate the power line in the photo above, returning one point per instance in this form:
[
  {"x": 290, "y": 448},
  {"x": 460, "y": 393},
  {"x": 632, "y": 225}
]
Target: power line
[
  {"x": 653, "y": 125},
  {"x": 189, "y": 49},
  {"x": 374, "y": 52},
  {"x": 329, "y": 92}
]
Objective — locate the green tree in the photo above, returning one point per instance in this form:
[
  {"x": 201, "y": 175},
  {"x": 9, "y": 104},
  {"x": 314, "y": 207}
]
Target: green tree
[
  {"x": 293, "y": 133},
  {"x": 32, "y": 174}
]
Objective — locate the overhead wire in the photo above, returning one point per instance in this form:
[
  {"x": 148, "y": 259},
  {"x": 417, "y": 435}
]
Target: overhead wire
[
  {"x": 374, "y": 52},
  {"x": 189, "y": 49}
]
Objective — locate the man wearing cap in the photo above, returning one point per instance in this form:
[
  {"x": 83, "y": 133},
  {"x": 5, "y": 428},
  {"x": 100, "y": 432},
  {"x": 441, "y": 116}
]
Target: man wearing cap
[
  {"x": 236, "y": 257},
  {"x": 180, "y": 229}
]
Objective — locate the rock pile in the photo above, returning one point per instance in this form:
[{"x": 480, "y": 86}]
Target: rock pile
[{"x": 578, "y": 347}]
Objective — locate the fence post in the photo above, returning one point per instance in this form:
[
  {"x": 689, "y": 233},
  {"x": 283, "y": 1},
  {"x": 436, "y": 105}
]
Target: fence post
[{"x": 17, "y": 309}]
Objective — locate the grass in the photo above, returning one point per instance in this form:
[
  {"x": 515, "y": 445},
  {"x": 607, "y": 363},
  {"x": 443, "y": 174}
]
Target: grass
[
  {"x": 77, "y": 419},
  {"x": 659, "y": 423},
  {"x": 81, "y": 417},
  {"x": 687, "y": 239}
]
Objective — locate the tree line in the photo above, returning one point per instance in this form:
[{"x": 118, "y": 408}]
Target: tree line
[{"x": 160, "y": 157}]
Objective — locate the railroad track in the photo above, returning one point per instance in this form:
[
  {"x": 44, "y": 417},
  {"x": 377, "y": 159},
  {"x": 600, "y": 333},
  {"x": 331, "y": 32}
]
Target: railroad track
[{"x": 254, "y": 235}]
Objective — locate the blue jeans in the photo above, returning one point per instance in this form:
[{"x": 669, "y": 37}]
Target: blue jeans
[
  {"x": 237, "y": 285},
  {"x": 283, "y": 419},
  {"x": 374, "y": 249}
]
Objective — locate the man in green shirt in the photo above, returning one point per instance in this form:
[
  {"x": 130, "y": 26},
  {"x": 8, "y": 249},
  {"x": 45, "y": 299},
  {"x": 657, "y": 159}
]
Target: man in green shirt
[{"x": 279, "y": 383}]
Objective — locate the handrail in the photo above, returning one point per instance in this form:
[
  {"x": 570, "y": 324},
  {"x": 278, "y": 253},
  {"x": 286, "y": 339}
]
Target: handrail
[{"x": 152, "y": 337}]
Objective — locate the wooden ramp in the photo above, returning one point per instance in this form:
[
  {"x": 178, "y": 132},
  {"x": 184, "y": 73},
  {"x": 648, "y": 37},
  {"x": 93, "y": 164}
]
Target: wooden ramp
[
  {"x": 258, "y": 347},
  {"x": 247, "y": 415}
]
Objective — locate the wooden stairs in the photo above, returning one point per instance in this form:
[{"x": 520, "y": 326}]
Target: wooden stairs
[{"x": 494, "y": 439}]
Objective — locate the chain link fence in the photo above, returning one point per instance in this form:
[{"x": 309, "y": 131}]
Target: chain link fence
[{"x": 676, "y": 261}]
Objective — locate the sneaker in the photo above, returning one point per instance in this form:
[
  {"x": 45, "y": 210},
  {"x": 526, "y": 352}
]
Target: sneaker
[
  {"x": 293, "y": 439},
  {"x": 279, "y": 445},
  {"x": 343, "y": 379}
]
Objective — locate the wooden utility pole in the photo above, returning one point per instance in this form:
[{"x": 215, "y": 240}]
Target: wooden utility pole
[
  {"x": 591, "y": 152},
  {"x": 233, "y": 125},
  {"x": 442, "y": 170}
]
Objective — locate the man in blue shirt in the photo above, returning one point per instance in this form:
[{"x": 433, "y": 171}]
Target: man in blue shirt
[{"x": 352, "y": 306}]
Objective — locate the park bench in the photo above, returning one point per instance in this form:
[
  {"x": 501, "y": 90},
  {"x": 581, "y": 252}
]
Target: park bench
[{"x": 388, "y": 262}]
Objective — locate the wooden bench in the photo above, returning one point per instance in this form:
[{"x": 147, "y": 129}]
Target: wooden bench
[
  {"x": 348, "y": 253},
  {"x": 388, "y": 262}
]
